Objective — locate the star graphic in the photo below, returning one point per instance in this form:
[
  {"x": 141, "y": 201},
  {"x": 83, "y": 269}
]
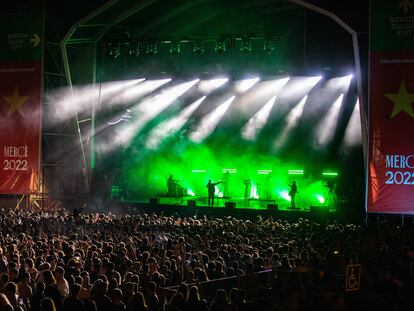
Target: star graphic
[
  {"x": 402, "y": 101},
  {"x": 15, "y": 101}
]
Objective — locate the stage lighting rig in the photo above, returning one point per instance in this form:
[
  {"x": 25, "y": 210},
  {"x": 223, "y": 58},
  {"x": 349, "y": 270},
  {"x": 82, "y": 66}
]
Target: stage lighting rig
[
  {"x": 151, "y": 48},
  {"x": 220, "y": 46},
  {"x": 175, "y": 47},
  {"x": 115, "y": 50},
  {"x": 269, "y": 46},
  {"x": 246, "y": 45},
  {"x": 198, "y": 47}
]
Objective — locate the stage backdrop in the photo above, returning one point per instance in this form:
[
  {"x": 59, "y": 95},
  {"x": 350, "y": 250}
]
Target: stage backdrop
[
  {"x": 391, "y": 156},
  {"x": 21, "y": 41}
]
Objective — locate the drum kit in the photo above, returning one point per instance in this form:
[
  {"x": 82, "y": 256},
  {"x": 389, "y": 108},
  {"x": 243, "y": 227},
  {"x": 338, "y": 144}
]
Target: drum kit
[{"x": 179, "y": 190}]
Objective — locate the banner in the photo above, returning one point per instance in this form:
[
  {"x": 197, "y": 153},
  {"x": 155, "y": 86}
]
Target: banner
[
  {"x": 20, "y": 94},
  {"x": 391, "y": 117}
]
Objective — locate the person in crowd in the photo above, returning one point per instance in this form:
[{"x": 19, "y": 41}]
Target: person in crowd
[
  {"x": 194, "y": 301},
  {"x": 62, "y": 284},
  {"x": 220, "y": 302},
  {"x": 47, "y": 304},
  {"x": 72, "y": 302},
  {"x": 51, "y": 290},
  {"x": 148, "y": 257}
]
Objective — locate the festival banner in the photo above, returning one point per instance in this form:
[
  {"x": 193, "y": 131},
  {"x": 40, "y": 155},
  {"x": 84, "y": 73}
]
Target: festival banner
[
  {"x": 21, "y": 51},
  {"x": 391, "y": 112}
]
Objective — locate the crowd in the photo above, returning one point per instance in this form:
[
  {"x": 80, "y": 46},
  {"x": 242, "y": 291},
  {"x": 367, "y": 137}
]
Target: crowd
[{"x": 52, "y": 261}]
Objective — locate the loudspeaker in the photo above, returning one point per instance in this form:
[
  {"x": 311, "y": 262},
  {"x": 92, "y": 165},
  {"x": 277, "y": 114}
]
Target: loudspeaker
[
  {"x": 154, "y": 201},
  {"x": 230, "y": 205},
  {"x": 319, "y": 209},
  {"x": 272, "y": 207},
  {"x": 191, "y": 203}
]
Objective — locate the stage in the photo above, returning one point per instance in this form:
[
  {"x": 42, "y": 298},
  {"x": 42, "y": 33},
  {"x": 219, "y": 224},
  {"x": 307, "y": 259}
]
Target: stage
[{"x": 236, "y": 207}]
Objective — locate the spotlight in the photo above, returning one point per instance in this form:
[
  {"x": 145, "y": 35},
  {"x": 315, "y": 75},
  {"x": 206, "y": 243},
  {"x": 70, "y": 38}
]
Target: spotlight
[
  {"x": 133, "y": 49},
  {"x": 231, "y": 43},
  {"x": 141, "y": 48},
  {"x": 151, "y": 48},
  {"x": 175, "y": 48},
  {"x": 198, "y": 47},
  {"x": 220, "y": 46},
  {"x": 244, "y": 85},
  {"x": 115, "y": 51},
  {"x": 269, "y": 46},
  {"x": 246, "y": 45}
]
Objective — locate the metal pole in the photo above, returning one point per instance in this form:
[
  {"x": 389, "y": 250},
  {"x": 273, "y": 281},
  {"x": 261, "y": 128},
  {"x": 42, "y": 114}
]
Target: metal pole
[
  {"x": 94, "y": 102},
  {"x": 358, "y": 76}
]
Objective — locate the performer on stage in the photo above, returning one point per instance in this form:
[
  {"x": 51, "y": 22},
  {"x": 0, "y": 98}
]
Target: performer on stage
[
  {"x": 211, "y": 189},
  {"x": 171, "y": 185},
  {"x": 292, "y": 193}
]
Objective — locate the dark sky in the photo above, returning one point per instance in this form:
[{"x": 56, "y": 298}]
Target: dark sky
[{"x": 354, "y": 12}]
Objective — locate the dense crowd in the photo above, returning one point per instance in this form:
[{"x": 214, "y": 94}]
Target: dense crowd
[{"x": 54, "y": 261}]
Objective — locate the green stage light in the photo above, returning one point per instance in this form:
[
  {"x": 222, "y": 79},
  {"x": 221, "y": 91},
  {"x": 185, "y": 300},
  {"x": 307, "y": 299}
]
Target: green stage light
[
  {"x": 320, "y": 198},
  {"x": 285, "y": 195},
  {"x": 330, "y": 174},
  {"x": 175, "y": 48},
  {"x": 229, "y": 170},
  {"x": 264, "y": 172},
  {"x": 246, "y": 45},
  {"x": 220, "y": 46},
  {"x": 190, "y": 192},
  {"x": 199, "y": 171},
  {"x": 198, "y": 47},
  {"x": 295, "y": 172},
  {"x": 253, "y": 192}
]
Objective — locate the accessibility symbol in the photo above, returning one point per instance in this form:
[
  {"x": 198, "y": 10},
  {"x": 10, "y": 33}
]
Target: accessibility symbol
[{"x": 353, "y": 278}]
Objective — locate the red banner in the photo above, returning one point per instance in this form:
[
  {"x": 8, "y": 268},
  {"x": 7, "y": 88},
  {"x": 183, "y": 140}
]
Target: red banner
[
  {"x": 391, "y": 154},
  {"x": 19, "y": 127},
  {"x": 21, "y": 50},
  {"x": 391, "y": 165}
]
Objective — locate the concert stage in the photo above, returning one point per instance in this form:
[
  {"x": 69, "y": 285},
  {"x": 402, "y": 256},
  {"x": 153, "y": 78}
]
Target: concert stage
[
  {"x": 249, "y": 121},
  {"x": 190, "y": 206}
]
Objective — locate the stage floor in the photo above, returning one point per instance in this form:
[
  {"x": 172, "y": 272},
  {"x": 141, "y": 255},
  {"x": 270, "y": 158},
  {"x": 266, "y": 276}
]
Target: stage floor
[{"x": 237, "y": 203}]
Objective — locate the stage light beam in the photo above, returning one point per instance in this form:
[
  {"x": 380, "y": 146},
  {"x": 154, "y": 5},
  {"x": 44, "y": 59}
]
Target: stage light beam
[
  {"x": 301, "y": 85},
  {"x": 291, "y": 121},
  {"x": 78, "y": 99},
  {"x": 325, "y": 130},
  {"x": 209, "y": 123},
  {"x": 209, "y": 86},
  {"x": 284, "y": 194},
  {"x": 258, "y": 121},
  {"x": 320, "y": 198},
  {"x": 137, "y": 91},
  {"x": 171, "y": 126},
  {"x": 339, "y": 84},
  {"x": 352, "y": 136},
  {"x": 244, "y": 85},
  {"x": 150, "y": 108}
]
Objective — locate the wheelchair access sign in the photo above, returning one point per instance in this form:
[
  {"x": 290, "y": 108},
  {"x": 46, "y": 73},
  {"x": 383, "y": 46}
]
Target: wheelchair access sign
[{"x": 353, "y": 278}]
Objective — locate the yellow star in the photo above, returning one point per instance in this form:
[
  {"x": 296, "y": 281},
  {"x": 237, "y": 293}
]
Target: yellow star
[
  {"x": 16, "y": 101},
  {"x": 402, "y": 101}
]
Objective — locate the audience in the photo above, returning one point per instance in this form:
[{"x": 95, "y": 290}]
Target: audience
[{"x": 157, "y": 262}]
